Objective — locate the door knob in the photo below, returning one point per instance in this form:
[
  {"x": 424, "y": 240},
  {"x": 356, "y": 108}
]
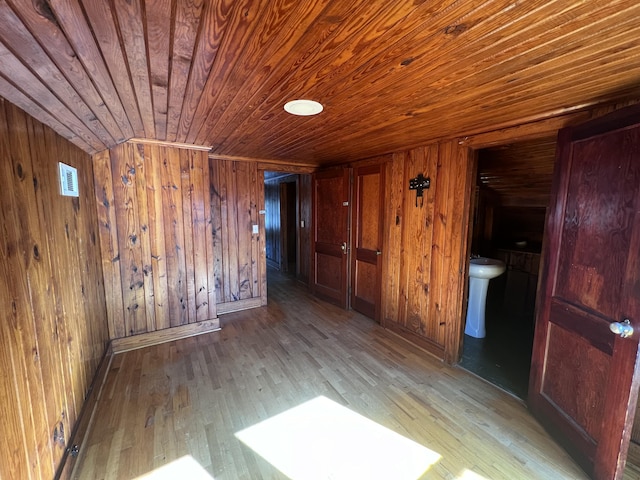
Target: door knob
[
  {"x": 624, "y": 328},
  {"x": 344, "y": 247},
  {"x": 378, "y": 252}
]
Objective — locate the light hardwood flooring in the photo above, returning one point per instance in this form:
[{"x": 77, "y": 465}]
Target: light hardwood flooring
[{"x": 191, "y": 396}]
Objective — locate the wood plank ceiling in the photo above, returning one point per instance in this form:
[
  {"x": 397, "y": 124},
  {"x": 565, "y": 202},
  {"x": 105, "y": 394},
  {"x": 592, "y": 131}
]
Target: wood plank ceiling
[{"x": 390, "y": 74}]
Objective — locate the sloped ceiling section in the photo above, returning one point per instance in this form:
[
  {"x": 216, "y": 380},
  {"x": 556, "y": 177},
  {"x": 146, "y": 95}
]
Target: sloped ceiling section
[{"x": 390, "y": 74}]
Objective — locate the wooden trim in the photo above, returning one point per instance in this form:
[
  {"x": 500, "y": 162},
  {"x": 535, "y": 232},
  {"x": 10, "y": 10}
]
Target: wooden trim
[
  {"x": 162, "y": 143},
  {"x": 269, "y": 164},
  {"x": 523, "y": 132},
  {"x": 241, "y": 305},
  {"x": 287, "y": 168},
  {"x": 126, "y": 344},
  {"x": 423, "y": 343},
  {"x": 80, "y": 432},
  {"x": 633, "y": 455}
]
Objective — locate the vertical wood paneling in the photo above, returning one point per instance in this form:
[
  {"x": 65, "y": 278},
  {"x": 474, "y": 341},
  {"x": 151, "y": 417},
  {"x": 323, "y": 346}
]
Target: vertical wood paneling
[
  {"x": 256, "y": 258},
  {"x": 236, "y": 193},
  {"x": 54, "y": 379},
  {"x": 304, "y": 205},
  {"x": 218, "y": 192},
  {"x": 108, "y": 231},
  {"x": 174, "y": 236},
  {"x": 272, "y": 221},
  {"x": 424, "y": 263},
  {"x": 187, "y": 182},
  {"x": 144, "y": 238},
  {"x": 395, "y": 188},
  {"x": 244, "y": 215},
  {"x": 209, "y": 238},
  {"x": 27, "y": 370},
  {"x": 126, "y": 201},
  {"x": 153, "y": 175},
  {"x": 55, "y": 329},
  {"x": 181, "y": 228},
  {"x": 418, "y": 231},
  {"x": 200, "y": 218},
  {"x": 231, "y": 264},
  {"x": 458, "y": 244}
]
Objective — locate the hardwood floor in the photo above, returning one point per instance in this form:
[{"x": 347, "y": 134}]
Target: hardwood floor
[{"x": 191, "y": 396}]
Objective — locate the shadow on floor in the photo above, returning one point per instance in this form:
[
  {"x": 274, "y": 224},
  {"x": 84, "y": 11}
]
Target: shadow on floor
[{"x": 503, "y": 357}]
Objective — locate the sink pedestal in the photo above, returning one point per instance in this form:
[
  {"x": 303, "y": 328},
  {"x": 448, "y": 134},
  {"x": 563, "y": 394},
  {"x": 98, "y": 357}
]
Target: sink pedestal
[
  {"x": 481, "y": 270},
  {"x": 476, "y": 308}
]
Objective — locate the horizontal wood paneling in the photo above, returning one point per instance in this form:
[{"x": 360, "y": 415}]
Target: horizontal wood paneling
[
  {"x": 391, "y": 75},
  {"x": 520, "y": 173},
  {"x": 155, "y": 234},
  {"x": 54, "y": 331}
]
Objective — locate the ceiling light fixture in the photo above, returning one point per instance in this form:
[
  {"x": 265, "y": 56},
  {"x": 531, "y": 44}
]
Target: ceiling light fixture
[{"x": 303, "y": 107}]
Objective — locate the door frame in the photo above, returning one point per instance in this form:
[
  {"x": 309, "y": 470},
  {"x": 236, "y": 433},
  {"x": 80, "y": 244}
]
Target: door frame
[
  {"x": 343, "y": 299},
  {"x": 356, "y": 208}
]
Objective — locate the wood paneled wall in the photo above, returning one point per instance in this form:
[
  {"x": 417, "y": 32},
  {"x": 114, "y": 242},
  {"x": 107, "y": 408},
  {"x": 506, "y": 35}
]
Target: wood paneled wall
[
  {"x": 426, "y": 246},
  {"x": 237, "y": 197},
  {"x": 155, "y": 234},
  {"x": 53, "y": 332},
  {"x": 176, "y": 237},
  {"x": 304, "y": 194}
]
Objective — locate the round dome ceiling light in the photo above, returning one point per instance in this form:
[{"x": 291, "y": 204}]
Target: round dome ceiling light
[{"x": 303, "y": 107}]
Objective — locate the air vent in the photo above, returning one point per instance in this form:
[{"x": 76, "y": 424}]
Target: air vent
[{"x": 68, "y": 181}]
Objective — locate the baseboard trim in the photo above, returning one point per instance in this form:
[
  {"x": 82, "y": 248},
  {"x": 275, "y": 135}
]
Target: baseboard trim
[
  {"x": 422, "y": 343},
  {"x": 84, "y": 422},
  {"x": 134, "y": 342},
  {"x": 239, "y": 305}
]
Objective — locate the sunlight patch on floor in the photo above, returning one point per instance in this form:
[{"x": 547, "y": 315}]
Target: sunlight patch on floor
[
  {"x": 185, "y": 467},
  {"x": 321, "y": 439},
  {"x": 470, "y": 475}
]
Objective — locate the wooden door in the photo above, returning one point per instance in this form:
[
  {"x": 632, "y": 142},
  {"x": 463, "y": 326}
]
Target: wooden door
[
  {"x": 366, "y": 268},
  {"x": 584, "y": 379},
  {"x": 330, "y": 239}
]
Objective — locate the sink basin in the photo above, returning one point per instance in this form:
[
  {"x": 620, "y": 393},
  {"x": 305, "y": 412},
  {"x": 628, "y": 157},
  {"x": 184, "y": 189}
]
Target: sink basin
[
  {"x": 481, "y": 270},
  {"x": 488, "y": 268}
]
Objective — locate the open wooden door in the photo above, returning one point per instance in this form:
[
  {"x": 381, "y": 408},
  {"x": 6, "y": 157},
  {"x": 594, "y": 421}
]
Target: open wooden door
[
  {"x": 330, "y": 239},
  {"x": 368, "y": 213},
  {"x": 584, "y": 378}
]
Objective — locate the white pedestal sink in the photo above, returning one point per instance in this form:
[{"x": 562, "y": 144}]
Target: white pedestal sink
[{"x": 481, "y": 270}]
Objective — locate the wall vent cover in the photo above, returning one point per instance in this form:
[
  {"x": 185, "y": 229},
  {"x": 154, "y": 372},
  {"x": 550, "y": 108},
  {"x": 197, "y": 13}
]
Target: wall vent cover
[{"x": 68, "y": 180}]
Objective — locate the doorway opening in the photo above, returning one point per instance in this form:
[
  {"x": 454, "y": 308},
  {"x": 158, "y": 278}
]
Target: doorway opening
[
  {"x": 287, "y": 218},
  {"x": 512, "y": 193}
]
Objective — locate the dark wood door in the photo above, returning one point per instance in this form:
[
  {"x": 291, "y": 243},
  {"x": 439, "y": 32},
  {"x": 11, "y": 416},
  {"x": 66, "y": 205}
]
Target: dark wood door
[
  {"x": 366, "y": 267},
  {"x": 584, "y": 378},
  {"x": 330, "y": 239}
]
